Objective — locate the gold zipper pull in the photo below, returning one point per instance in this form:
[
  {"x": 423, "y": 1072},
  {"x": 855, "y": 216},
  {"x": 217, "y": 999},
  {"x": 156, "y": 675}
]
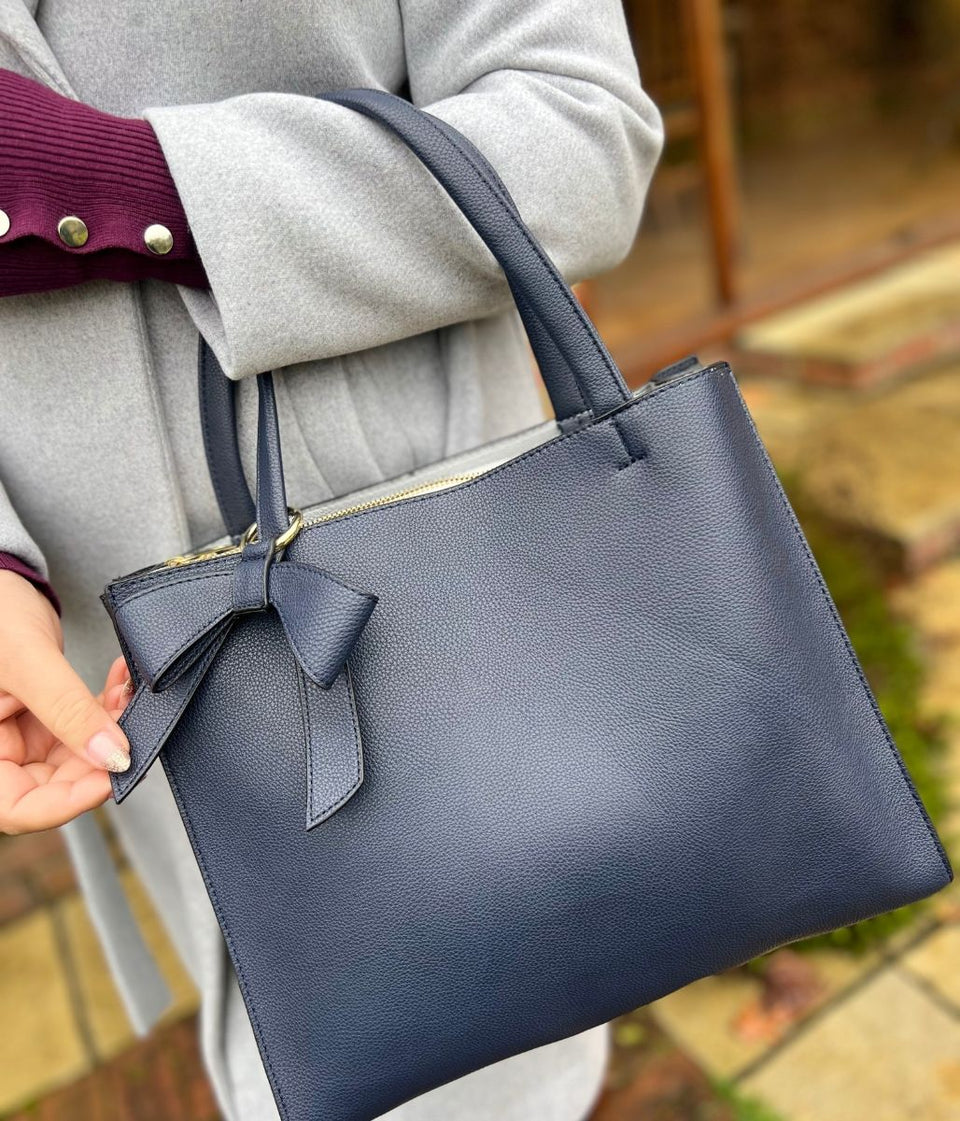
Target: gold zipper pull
[{"x": 202, "y": 555}]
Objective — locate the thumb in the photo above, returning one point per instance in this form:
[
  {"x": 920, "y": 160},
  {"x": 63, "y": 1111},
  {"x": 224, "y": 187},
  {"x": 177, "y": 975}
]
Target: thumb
[{"x": 54, "y": 692}]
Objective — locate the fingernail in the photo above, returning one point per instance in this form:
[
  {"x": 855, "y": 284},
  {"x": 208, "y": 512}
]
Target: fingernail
[
  {"x": 129, "y": 688},
  {"x": 106, "y": 752}
]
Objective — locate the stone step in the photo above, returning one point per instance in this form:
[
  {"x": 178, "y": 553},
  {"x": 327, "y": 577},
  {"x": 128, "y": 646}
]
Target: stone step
[
  {"x": 885, "y": 464},
  {"x": 866, "y": 333}
]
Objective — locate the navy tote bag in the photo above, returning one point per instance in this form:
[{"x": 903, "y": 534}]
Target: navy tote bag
[{"x": 483, "y": 760}]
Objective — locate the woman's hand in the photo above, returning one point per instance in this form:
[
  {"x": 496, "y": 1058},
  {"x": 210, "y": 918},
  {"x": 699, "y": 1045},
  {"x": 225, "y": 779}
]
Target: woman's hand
[{"x": 57, "y": 741}]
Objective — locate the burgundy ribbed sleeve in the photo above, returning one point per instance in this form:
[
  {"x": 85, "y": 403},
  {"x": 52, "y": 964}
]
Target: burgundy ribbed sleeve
[
  {"x": 10, "y": 563},
  {"x": 59, "y": 157}
]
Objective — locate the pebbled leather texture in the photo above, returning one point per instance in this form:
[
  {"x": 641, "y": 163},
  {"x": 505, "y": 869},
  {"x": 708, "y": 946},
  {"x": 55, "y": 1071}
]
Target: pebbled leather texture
[{"x": 614, "y": 738}]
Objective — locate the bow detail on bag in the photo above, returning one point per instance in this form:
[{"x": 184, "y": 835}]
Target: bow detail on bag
[{"x": 173, "y": 622}]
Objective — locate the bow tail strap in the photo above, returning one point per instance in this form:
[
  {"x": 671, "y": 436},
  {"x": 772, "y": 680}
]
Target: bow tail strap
[
  {"x": 149, "y": 718},
  {"x": 334, "y": 752}
]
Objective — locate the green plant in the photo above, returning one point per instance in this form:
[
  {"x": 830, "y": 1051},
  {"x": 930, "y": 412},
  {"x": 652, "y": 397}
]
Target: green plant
[{"x": 743, "y": 1108}]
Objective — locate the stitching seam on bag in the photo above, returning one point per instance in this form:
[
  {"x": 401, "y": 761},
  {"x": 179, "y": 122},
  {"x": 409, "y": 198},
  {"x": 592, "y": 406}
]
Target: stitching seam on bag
[
  {"x": 162, "y": 574},
  {"x": 635, "y": 453},
  {"x": 179, "y": 583},
  {"x": 307, "y": 729},
  {"x": 631, "y": 462},
  {"x": 573, "y": 421}
]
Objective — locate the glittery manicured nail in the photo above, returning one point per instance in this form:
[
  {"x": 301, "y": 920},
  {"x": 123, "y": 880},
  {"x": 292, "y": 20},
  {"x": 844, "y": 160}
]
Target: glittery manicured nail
[
  {"x": 106, "y": 752},
  {"x": 129, "y": 688}
]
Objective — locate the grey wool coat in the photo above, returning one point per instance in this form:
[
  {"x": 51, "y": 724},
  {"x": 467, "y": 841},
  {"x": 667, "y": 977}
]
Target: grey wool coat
[{"x": 333, "y": 255}]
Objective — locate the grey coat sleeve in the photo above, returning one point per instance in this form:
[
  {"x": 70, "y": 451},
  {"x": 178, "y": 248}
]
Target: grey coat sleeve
[
  {"x": 321, "y": 235},
  {"x": 15, "y": 540}
]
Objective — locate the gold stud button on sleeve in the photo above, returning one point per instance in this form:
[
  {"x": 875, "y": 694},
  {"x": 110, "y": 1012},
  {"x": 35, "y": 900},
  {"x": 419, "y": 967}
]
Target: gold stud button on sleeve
[
  {"x": 4, "y": 223},
  {"x": 73, "y": 231},
  {"x": 158, "y": 239}
]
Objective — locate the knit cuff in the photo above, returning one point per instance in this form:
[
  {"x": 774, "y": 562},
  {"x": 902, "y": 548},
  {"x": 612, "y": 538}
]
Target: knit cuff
[
  {"x": 60, "y": 157},
  {"x": 10, "y": 563}
]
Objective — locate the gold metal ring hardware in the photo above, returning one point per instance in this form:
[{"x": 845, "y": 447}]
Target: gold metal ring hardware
[
  {"x": 249, "y": 536},
  {"x": 296, "y": 524}
]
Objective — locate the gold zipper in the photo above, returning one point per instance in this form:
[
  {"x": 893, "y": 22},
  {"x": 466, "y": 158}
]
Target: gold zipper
[
  {"x": 201, "y": 555},
  {"x": 299, "y": 523},
  {"x": 358, "y": 508},
  {"x": 397, "y": 496}
]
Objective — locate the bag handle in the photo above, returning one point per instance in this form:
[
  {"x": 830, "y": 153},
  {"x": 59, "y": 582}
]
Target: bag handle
[
  {"x": 581, "y": 378},
  {"x": 561, "y": 328},
  {"x": 218, "y": 422}
]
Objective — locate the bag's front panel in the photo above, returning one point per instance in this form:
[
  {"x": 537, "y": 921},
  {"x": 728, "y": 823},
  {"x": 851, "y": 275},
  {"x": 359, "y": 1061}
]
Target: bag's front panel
[{"x": 613, "y": 740}]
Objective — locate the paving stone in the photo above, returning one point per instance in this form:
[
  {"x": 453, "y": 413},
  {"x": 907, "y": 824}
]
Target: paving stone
[
  {"x": 932, "y": 603},
  {"x": 785, "y": 413},
  {"x": 18, "y": 854},
  {"x": 945, "y": 905},
  {"x": 934, "y": 911},
  {"x": 16, "y": 899},
  {"x": 34, "y": 869},
  {"x": 887, "y": 465},
  {"x": 667, "y": 1089},
  {"x": 110, "y": 1029},
  {"x": 184, "y": 994},
  {"x": 41, "y": 1046},
  {"x": 159, "y": 1079},
  {"x": 936, "y": 961},
  {"x": 52, "y": 877},
  {"x": 885, "y": 1053},
  {"x": 650, "y": 1079},
  {"x": 702, "y": 1017}
]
